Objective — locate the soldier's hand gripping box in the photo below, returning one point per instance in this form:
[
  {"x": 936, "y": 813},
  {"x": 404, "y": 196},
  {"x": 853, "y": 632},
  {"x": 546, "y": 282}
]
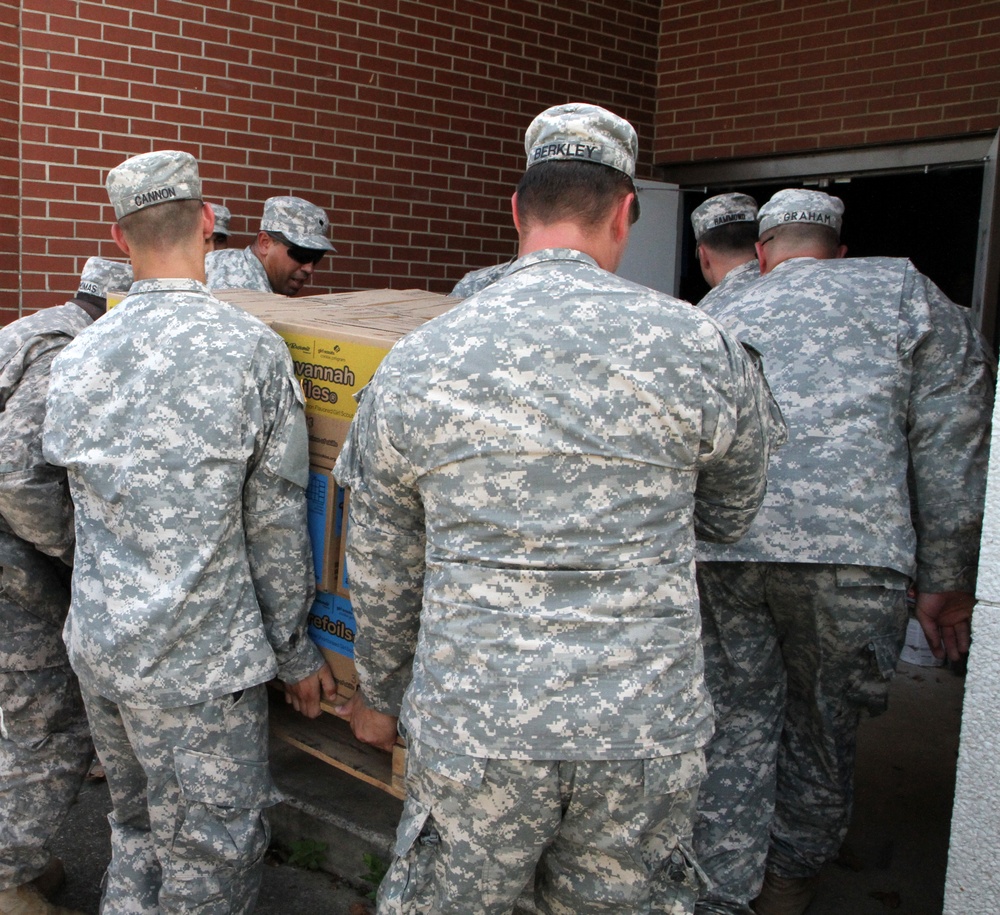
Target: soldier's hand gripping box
[{"x": 331, "y": 627}]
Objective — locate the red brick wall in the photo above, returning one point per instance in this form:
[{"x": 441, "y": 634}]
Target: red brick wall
[
  {"x": 9, "y": 229},
  {"x": 403, "y": 118},
  {"x": 753, "y": 77}
]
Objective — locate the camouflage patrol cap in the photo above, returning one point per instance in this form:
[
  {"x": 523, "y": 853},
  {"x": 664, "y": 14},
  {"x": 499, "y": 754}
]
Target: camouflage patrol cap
[
  {"x": 802, "y": 205},
  {"x": 298, "y": 221},
  {"x": 722, "y": 210},
  {"x": 151, "y": 178},
  {"x": 100, "y": 274},
  {"x": 222, "y": 217},
  {"x": 578, "y": 131}
]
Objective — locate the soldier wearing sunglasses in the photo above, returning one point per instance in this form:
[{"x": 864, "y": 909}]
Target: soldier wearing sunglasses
[{"x": 291, "y": 241}]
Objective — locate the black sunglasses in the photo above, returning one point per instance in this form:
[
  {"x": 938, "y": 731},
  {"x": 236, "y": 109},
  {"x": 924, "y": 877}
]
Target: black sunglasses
[
  {"x": 305, "y": 255},
  {"x": 302, "y": 255}
]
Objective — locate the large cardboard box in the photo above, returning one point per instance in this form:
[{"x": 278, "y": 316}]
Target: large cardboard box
[
  {"x": 337, "y": 342},
  {"x": 333, "y": 361},
  {"x": 331, "y": 627},
  {"x": 343, "y": 588},
  {"x": 114, "y": 297},
  {"x": 325, "y": 501}
]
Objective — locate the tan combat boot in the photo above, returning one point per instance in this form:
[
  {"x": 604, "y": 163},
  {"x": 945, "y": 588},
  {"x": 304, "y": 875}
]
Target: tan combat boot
[
  {"x": 26, "y": 900},
  {"x": 784, "y": 895}
]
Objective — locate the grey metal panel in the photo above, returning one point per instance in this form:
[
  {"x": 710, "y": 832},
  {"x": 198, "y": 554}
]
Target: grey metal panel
[{"x": 654, "y": 249}]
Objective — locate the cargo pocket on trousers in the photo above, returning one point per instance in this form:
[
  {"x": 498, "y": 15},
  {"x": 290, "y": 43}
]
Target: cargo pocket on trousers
[
  {"x": 679, "y": 882},
  {"x": 677, "y": 876},
  {"x": 407, "y": 881},
  {"x": 868, "y": 687},
  {"x": 223, "y": 801}
]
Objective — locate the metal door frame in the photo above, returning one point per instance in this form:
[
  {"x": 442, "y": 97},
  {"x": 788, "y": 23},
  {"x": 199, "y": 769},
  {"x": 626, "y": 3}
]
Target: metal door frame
[{"x": 826, "y": 167}]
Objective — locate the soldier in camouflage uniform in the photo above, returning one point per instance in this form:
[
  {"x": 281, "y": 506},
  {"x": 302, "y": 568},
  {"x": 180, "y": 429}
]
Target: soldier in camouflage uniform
[
  {"x": 182, "y": 429},
  {"x": 219, "y": 239},
  {"x": 876, "y": 372},
  {"x": 45, "y": 746},
  {"x": 527, "y": 473},
  {"x": 291, "y": 241},
  {"x": 725, "y": 233}
]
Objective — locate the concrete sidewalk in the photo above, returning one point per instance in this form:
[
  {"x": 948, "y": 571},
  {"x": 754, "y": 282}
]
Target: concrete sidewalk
[
  {"x": 319, "y": 808},
  {"x": 894, "y": 858}
]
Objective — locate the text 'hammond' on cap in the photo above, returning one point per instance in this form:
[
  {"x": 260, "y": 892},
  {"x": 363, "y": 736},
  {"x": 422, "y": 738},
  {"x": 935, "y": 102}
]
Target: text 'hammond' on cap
[
  {"x": 722, "y": 210},
  {"x": 153, "y": 178}
]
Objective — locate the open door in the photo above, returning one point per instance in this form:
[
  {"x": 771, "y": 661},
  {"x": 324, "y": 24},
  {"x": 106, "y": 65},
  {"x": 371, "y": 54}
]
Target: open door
[{"x": 936, "y": 202}]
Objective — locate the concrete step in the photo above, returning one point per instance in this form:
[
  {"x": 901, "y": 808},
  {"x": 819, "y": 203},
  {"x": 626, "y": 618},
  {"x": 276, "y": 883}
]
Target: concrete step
[
  {"x": 323, "y": 804},
  {"x": 352, "y": 818}
]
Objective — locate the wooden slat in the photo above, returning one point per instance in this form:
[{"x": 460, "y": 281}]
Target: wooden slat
[
  {"x": 330, "y": 739},
  {"x": 399, "y": 768}
]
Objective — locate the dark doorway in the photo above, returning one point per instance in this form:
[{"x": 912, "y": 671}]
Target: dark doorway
[{"x": 930, "y": 217}]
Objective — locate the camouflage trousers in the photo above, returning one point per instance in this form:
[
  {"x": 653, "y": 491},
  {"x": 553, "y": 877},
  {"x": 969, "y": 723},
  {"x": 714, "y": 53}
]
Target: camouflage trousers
[
  {"x": 795, "y": 655},
  {"x": 189, "y": 787},
  {"x": 45, "y": 752},
  {"x": 597, "y": 838}
]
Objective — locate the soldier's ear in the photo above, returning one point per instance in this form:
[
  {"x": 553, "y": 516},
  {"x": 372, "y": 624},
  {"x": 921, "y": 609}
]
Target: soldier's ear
[
  {"x": 621, "y": 221},
  {"x": 119, "y": 237},
  {"x": 513, "y": 210},
  {"x": 762, "y": 257},
  {"x": 208, "y": 220}
]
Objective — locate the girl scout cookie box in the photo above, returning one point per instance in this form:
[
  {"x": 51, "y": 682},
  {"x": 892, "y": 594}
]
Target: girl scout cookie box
[{"x": 336, "y": 342}]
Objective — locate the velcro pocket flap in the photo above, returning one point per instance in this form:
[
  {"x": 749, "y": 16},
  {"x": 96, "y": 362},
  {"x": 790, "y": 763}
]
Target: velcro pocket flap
[{"x": 411, "y": 823}]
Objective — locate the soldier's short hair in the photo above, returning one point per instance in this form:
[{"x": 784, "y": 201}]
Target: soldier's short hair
[
  {"x": 581, "y": 191},
  {"x": 793, "y": 235},
  {"x": 161, "y": 226},
  {"x": 733, "y": 238}
]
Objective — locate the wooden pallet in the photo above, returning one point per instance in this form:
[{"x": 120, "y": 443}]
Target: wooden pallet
[{"x": 329, "y": 738}]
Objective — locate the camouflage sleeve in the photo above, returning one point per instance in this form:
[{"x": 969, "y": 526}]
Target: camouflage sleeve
[
  {"x": 385, "y": 548},
  {"x": 748, "y": 425},
  {"x": 274, "y": 519},
  {"x": 34, "y": 496},
  {"x": 948, "y": 431}
]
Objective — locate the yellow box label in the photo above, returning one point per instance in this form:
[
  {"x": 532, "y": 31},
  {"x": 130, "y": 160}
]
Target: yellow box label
[{"x": 331, "y": 371}]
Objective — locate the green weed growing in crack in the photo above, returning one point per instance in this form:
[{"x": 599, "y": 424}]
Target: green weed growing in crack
[
  {"x": 307, "y": 854},
  {"x": 376, "y": 871}
]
